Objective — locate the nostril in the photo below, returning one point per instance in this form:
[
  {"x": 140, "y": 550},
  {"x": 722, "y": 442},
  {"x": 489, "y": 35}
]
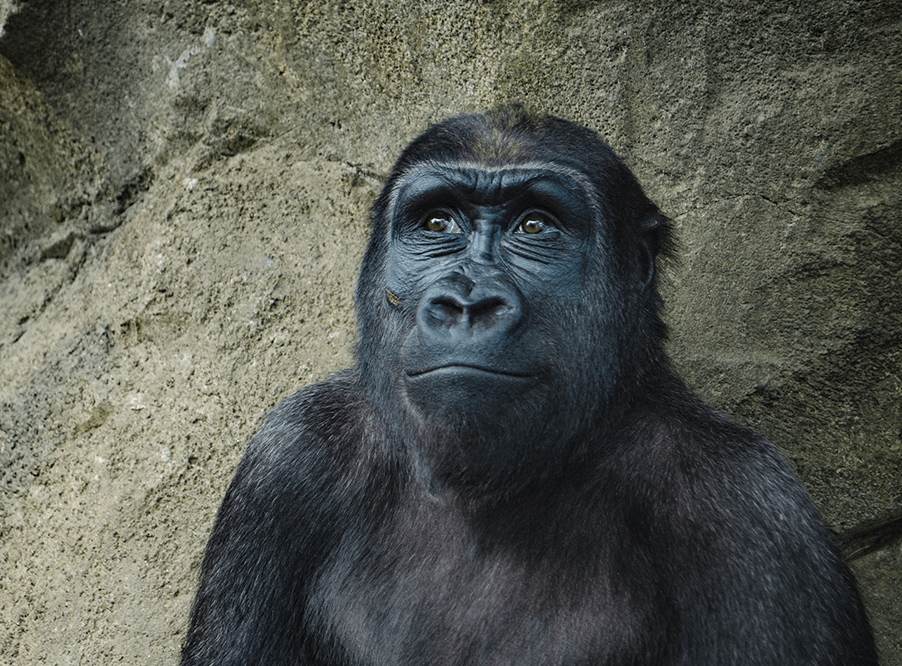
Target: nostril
[
  {"x": 445, "y": 311},
  {"x": 487, "y": 311}
]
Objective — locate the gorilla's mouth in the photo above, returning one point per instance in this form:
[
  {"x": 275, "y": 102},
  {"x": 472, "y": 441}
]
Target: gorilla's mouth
[{"x": 463, "y": 369}]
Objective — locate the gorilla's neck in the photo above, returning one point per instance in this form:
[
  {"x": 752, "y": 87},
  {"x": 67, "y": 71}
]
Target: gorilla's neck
[{"x": 490, "y": 464}]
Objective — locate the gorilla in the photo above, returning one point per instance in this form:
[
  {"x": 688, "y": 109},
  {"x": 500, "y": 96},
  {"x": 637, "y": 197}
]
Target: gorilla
[{"x": 511, "y": 474}]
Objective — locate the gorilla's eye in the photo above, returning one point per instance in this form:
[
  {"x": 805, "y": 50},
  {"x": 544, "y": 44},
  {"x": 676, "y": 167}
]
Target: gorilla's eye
[
  {"x": 533, "y": 224},
  {"x": 441, "y": 223}
]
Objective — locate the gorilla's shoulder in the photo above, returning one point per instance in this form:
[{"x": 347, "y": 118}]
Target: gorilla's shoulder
[
  {"x": 311, "y": 435},
  {"x": 716, "y": 447},
  {"x": 708, "y": 460},
  {"x": 736, "y": 473}
]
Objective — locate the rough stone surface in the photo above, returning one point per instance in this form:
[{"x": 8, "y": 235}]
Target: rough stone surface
[{"x": 183, "y": 205}]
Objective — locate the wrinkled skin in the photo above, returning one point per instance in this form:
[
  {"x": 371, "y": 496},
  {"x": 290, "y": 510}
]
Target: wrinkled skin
[
  {"x": 511, "y": 474},
  {"x": 491, "y": 263}
]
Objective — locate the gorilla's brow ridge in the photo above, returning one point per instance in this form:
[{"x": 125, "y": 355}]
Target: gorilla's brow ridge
[{"x": 578, "y": 177}]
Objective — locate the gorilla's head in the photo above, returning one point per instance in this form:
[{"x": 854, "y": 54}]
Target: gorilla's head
[{"x": 507, "y": 301}]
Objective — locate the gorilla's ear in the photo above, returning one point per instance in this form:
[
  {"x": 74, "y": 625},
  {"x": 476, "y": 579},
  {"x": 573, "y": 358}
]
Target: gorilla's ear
[{"x": 654, "y": 240}]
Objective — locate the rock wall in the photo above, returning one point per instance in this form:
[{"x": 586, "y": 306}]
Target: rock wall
[{"x": 183, "y": 205}]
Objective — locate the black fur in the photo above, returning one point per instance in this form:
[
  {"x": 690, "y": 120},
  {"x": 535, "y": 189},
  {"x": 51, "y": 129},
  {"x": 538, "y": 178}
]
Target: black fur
[{"x": 511, "y": 474}]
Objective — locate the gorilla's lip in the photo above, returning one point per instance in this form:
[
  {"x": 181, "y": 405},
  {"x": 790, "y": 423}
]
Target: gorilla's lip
[{"x": 467, "y": 368}]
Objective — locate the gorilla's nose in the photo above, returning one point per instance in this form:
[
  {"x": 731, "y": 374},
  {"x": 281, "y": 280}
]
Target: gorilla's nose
[{"x": 461, "y": 310}]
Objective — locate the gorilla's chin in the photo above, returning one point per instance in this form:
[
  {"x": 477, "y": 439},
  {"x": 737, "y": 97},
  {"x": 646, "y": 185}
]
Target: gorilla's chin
[{"x": 477, "y": 425}]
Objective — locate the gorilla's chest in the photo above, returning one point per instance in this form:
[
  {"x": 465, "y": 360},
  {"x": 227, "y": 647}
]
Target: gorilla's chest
[{"x": 425, "y": 592}]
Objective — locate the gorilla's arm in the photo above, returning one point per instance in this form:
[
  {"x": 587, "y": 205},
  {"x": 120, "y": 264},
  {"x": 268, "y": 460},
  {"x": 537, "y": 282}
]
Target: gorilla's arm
[
  {"x": 761, "y": 580},
  {"x": 273, "y": 531}
]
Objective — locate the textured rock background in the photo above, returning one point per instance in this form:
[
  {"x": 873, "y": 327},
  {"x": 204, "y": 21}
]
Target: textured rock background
[{"x": 184, "y": 188}]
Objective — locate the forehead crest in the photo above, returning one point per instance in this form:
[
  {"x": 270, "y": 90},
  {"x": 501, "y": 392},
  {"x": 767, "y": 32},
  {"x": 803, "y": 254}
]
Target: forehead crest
[{"x": 496, "y": 146}]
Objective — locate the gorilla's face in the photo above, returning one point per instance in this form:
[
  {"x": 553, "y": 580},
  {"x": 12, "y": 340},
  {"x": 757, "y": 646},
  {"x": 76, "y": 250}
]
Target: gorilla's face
[{"x": 487, "y": 270}]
